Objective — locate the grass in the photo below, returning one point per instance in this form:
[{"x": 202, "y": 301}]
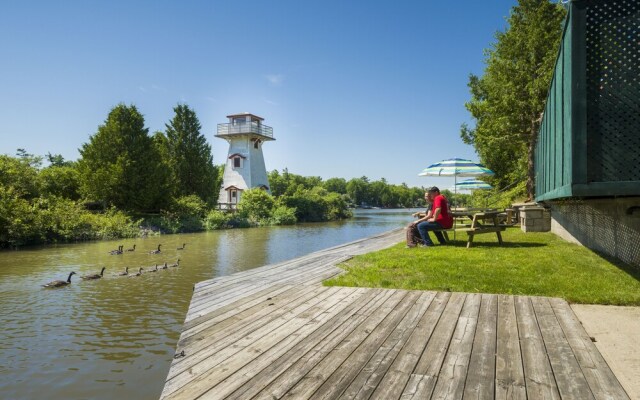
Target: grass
[{"x": 532, "y": 264}]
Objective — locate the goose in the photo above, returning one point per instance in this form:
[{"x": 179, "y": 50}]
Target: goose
[
  {"x": 54, "y": 284},
  {"x": 126, "y": 272},
  {"x": 156, "y": 251},
  {"x": 94, "y": 276},
  {"x": 116, "y": 252},
  {"x": 182, "y": 248},
  {"x": 154, "y": 270},
  {"x": 177, "y": 264},
  {"x": 165, "y": 266},
  {"x": 137, "y": 273},
  {"x": 133, "y": 248}
]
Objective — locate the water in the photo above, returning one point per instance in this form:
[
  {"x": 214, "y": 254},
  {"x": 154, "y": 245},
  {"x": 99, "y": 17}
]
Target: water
[{"x": 115, "y": 337}]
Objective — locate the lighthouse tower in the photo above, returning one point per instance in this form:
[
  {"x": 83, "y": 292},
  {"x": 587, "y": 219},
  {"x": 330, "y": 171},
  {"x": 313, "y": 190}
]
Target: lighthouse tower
[{"x": 245, "y": 163}]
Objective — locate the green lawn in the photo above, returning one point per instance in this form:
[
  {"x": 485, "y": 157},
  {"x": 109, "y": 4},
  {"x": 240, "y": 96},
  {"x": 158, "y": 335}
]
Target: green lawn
[{"x": 536, "y": 264}]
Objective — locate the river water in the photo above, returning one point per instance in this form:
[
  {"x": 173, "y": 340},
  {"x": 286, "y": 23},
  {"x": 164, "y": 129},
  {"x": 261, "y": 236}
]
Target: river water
[{"x": 115, "y": 337}]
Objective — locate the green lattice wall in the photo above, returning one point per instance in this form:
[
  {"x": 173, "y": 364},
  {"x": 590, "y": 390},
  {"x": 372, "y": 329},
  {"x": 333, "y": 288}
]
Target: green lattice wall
[{"x": 589, "y": 141}]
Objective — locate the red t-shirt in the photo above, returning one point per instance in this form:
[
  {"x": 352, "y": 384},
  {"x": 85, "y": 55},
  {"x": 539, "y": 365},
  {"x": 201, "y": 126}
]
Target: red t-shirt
[{"x": 444, "y": 218}]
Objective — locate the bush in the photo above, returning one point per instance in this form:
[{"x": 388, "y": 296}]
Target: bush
[
  {"x": 256, "y": 205},
  {"x": 283, "y": 215},
  {"x": 191, "y": 205},
  {"x": 217, "y": 219}
]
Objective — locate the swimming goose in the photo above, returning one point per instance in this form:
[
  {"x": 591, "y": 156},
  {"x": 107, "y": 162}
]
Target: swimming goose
[
  {"x": 154, "y": 270},
  {"x": 126, "y": 272},
  {"x": 182, "y": 248},
  {"x": 137, "y": 273},
  {"x": 116, "y": 252},
  {"x": 165, "y": 266},
  {"x": 156, "y": 251},
  {"x": 133, "y": 248},
  {"x": 54, "y": 284},
  {"x": 177, "y": 264},
  {"x": 94, "y": 276}
]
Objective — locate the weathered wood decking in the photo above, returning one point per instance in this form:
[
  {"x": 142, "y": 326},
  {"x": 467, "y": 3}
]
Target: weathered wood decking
[{"x": 275, "y": 332}]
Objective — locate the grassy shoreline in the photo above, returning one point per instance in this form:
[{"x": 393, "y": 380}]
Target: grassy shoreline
[{"x": 532, "y": 264}]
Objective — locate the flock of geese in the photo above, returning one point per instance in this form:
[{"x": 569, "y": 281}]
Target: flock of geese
[{"x": 59, "y": 283}]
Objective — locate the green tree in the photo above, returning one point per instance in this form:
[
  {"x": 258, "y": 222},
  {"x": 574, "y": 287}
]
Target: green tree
[
  {"x": 336, "y": 185},
  {"x": 120, "y": 164},
  {"x": 190, "y": 156},
  {"x": 508, "y": 99},
  {"x": 60, "y": 180}
]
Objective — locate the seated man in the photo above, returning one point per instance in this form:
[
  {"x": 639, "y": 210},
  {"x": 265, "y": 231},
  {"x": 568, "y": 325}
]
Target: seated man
[
  {"x": 440, "y": 219},
  {"x": 413, "y": 236}
]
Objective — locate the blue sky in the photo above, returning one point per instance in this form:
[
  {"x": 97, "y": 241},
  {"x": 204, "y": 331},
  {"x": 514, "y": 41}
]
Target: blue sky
[{"x": 351, "y": 88}]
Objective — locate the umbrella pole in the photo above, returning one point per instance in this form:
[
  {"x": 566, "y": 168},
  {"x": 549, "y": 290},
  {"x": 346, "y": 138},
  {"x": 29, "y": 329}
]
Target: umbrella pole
[{"x": 455, "y": 192}]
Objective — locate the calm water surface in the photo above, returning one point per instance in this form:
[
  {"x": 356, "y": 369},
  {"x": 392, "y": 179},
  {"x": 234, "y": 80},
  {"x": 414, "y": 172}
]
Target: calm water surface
[{"x": 115, "y": 337}]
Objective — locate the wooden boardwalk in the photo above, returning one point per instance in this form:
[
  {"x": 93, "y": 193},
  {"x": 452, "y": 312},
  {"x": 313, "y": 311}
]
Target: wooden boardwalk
[{"x": 275, "y": 332}]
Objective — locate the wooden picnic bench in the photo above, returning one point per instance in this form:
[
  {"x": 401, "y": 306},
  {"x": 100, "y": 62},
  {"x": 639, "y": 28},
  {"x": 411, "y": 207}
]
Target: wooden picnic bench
[{"x": 479, "y": 224}]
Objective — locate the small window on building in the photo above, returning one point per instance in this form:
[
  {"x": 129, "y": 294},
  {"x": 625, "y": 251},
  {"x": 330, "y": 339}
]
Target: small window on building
[
  {"x": 236, "y": 162},
  {"x": 256, "y": 144}
]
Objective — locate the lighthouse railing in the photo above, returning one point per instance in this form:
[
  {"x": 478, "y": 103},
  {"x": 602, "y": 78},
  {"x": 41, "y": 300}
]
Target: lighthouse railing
[{"x": 235, "y": 129}]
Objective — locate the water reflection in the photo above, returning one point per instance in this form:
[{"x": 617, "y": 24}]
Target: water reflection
[{"x": 115, "y": 336}]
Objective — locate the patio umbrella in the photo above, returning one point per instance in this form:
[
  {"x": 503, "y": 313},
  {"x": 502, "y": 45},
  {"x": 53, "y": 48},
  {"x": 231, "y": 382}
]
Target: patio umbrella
[
  {"x": 456, "y": 167},
  {"x": 472, "y": 184}
]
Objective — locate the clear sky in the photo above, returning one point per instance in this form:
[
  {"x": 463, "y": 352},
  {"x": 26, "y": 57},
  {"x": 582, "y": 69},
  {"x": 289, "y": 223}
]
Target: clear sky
[{"x": 351, "y": 88}]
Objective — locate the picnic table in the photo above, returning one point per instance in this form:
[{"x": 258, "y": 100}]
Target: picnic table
[{"x": 481, "y": 222}]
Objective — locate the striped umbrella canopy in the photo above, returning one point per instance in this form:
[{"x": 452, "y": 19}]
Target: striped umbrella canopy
[
  {"x": 472, "y": 184},
  {"x": 456, "y": 167}
]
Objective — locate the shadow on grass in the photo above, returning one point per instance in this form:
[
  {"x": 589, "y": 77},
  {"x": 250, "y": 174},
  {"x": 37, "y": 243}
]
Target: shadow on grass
[
  {"x": 631, "y": 270},
  {"x": 510, "y": 245}
]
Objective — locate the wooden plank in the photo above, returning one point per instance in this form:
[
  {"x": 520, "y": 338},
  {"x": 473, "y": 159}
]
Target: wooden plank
[
  {"x": 539, "y": 379},
  {"x": 378, "y": 342},
  {"x": 255, "y": 381},
  {"x": 364, "y": 339},
  {"x": 450, "y": 384},
  {"x": 241, "y": 304},
  {"x": 210, "y": 371},
  {"x": 509, "y": 371},
  {"x": 240, "y": 317},
  {"x": 297, "y": 371},
  {"x": 390, "y": 378},
  {"x": 247, "y": 289},
  {"x": 480, "y": 383},
  {"x": 257, "y": 358},
  {"x": 423, "y": 380},
  {"x": 568, "y": 375},
  {"x": 215, "y": 346},
  {"x": 602, "y": 381}
]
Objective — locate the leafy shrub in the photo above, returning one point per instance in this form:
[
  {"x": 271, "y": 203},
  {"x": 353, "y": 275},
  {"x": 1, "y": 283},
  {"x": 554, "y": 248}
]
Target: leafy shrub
[
  {"x": 283, "y": 215},
  {"x": 191, "y": 205},
  {"x": 61, "y": 181},
  {"x": 217, "y": 219},
  {"x": 256, "y": 205}
]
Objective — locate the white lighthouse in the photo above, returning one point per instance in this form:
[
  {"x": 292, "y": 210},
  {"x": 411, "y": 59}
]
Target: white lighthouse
[{"x": 245, "y": 167}]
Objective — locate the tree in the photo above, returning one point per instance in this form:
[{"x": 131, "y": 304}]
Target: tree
[
  {"x": 507, "y": 101},
  {"x": 336, "y": 185},
  {"x": 120, "y": 164},
  {"x": 190, "y": 156}
]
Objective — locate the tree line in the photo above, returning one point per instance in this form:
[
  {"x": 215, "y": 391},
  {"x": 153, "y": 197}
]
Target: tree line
[
  {"x": 508, "y": 99},
  {"x": 128, "y": 182}
]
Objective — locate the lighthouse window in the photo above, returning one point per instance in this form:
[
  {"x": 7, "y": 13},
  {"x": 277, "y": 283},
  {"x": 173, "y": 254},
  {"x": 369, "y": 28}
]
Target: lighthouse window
[{"x": 236, "y": 162}]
